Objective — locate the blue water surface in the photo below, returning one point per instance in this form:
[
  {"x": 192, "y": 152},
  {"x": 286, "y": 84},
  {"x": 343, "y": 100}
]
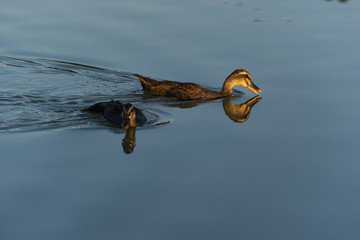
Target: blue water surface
[{"x": 288, "y": 170}]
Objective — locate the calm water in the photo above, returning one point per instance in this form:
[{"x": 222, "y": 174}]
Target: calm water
[{"x": 287, "y": 169}]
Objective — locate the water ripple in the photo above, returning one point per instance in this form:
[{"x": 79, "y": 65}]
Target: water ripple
[{"x": 38, "y": 94}]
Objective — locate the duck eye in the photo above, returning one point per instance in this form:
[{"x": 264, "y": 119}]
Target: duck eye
[{"x": 246, "y": 76}]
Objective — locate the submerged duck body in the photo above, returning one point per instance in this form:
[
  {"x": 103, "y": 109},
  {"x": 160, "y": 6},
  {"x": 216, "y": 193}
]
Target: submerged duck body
[
  {"x": 124, "y": 115},
  {"x": 189, "y": 91}
]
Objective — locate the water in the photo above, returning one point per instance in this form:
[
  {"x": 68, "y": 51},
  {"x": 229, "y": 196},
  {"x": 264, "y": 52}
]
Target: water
[
  {"x": 56, "y": 93},
  {"x": 199, "y": 170}
]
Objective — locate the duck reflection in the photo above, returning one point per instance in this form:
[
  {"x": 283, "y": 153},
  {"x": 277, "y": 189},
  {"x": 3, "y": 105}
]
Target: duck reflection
[
  {"x": 239, "y": 113},
  {"x": 129, "y": 142}
]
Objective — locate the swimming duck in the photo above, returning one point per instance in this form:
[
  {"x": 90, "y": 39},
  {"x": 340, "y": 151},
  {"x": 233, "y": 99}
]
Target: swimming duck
[
  {"x": 189, "y": 91},
  {"x": 124, "y": 115}
]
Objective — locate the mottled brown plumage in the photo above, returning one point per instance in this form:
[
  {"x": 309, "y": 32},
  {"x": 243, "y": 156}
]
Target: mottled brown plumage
[{"x": 187, "y": 91}]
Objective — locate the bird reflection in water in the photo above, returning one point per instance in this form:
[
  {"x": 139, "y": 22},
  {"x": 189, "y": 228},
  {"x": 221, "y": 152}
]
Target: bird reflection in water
[
  {"x": 129, "y": 142},
  {"x": 241, "y": 112},
  {"x": 237, "y": 112}
]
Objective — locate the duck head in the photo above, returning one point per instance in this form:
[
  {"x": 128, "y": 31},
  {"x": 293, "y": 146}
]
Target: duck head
[
  {"x": 239, "y": 77},
  {"x": 129, "y": 116}
]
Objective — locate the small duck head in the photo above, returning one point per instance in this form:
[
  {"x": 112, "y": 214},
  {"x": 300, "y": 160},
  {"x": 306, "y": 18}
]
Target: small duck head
[
  {"x": 129, "y": 116},
  {"x": 239, "y": 77}
]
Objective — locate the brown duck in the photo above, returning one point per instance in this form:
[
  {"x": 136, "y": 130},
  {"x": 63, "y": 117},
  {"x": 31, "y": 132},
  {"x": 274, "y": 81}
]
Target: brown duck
[{"x": 188, "y": 91}]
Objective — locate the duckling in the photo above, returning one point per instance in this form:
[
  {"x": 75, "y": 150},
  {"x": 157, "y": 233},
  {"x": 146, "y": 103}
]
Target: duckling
[
  {"x": 189, "y": 91},
  {"x": 124, "y": 115}
]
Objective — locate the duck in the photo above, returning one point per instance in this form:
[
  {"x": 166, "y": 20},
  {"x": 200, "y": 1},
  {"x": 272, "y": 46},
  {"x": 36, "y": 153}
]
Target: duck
[
  {"x": 191, "y": 91},
  {"x": 124, "y": 115}
]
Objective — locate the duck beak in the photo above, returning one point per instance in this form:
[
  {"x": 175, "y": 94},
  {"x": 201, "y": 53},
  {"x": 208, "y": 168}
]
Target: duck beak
[{"x": 254, "y": 88}]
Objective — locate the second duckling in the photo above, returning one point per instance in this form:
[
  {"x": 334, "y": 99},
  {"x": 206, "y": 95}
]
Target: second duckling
[{"x": 124, "y": 115}]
